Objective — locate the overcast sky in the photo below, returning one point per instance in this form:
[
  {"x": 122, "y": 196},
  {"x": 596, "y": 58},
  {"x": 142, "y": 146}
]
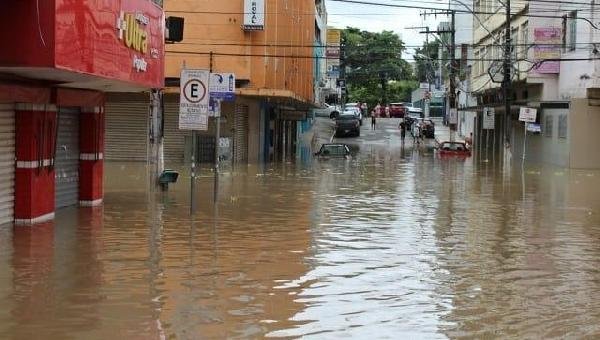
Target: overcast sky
[{"x": 377, "y": 19}]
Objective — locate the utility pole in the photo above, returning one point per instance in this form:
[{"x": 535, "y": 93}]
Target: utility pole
[
  {"x": 506, "y": 84},
  {"x": 428, "y": 77},
  {"x": 155, "y": 152},
  {"x": 452, "y": 93},
  {"x": 453, "y": 109},
  {"x": 428, "y": 98}
]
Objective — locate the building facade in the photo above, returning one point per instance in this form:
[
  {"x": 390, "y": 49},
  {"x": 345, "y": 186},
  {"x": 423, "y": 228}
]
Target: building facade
[
  {"x": 268, "y": 45},
  {"x": 59, "y": 57},
  {"x": 554, "y": 63}
]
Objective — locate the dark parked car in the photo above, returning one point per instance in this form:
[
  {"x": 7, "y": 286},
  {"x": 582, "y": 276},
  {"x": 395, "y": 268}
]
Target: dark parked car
[
  {"x": 334, "y": 150},
  {"x": 427, "y": 127},
  {"x": 398, "y": 110},
  {"x": 347, "y": 124}
]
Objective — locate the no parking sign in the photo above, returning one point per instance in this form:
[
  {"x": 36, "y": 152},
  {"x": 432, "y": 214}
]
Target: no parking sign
[{"x": 193, "y": 100}]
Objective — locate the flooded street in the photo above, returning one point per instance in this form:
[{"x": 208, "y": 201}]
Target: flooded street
[{"x": 394, "y": 243}]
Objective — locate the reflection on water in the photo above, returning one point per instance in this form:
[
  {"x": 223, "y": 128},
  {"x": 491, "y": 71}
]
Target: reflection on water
[{"x": 393, "y": 243}]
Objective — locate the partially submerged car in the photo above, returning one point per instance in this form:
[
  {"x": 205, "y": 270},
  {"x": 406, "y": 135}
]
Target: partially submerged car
[
  {"x": 458, "y": 149},
  {"x": 333, "y": 150}
]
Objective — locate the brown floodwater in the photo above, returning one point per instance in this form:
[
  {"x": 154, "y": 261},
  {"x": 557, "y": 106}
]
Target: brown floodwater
[{"x": 391, "y": 244}]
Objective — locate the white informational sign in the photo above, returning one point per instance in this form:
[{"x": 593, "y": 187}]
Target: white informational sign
[
  {"x": 222, "y": 86},
  {"x": 254, "y": 15},
  {"x": 193, "y": 100},
  {"x": 527, "y": 114},
  {"x": 424, "y": 86},
  {"x": 489, "y": 121},
  {"x": 453, "y": 118}
]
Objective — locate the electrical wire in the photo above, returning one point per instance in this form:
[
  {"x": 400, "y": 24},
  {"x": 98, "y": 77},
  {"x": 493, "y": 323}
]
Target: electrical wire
[{"x": 325, "y": 57}]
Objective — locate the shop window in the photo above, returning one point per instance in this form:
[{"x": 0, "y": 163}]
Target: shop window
[
  {"x": 549, "y": 126},
  {"x": 562, "y": 126}
]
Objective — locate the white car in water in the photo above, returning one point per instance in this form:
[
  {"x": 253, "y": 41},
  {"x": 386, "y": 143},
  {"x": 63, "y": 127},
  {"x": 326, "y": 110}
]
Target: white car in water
[
  {"x": 328, "y": 110},
  {"x": 353, "y": 107}
]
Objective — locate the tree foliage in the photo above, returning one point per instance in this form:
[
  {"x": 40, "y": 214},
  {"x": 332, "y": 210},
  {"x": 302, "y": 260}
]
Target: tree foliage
[
  {"x": 375, "y": 70},
  {"x": 426, "y": 59}
]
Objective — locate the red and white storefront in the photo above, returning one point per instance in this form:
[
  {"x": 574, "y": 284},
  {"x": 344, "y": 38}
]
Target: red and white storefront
[{"x": 57, "y": 59}]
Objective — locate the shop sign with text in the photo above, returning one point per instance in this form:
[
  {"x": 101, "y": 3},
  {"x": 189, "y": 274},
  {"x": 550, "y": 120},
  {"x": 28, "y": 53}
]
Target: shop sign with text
[{"x": 254, "y": 15}]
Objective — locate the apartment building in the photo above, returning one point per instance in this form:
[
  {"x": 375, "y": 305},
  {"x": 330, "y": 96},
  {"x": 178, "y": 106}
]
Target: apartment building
[{"x": 553, "y": 60}]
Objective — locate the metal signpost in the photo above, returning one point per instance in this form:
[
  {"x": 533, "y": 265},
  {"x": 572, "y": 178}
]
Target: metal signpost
[
  {"x": 526, "y": 115},
  {"x": 221, "y": 88},
  {"x": 193, "y": 112},
  {"x": 488, "y": 123}
]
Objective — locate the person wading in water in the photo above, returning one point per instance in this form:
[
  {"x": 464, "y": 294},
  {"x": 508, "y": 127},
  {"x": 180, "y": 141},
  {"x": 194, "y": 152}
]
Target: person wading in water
[
  {"x": 402, "y": 127},
  {"x": 373, "y": 120}
]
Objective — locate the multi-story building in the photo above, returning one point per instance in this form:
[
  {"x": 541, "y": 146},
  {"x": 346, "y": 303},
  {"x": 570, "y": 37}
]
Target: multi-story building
[
  {"x": 58, "y": 59},
  {"x": 268, "y": 45},
  {"x": 464, "y": 54},
  {"x": 554, "y": 64}
]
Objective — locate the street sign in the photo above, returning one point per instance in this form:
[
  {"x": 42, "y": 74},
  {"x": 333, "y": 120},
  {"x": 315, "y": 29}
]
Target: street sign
[
  {"x": 489, "y": 118},
  {"x": 193, "y": 100},
  {"x": 535, "y": 128},
  {"x": 527, "y": 114},
  {"x": 222, "y": 86},
  {"x": 424, "y": 86},
  {"x": 214, "y": 107},
  {"x": 453, "y": 119}
]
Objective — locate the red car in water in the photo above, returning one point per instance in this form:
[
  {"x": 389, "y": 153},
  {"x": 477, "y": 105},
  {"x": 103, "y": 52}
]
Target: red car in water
[
  {"x": 454, "y": 149},
  {"x": 398, "y": 110}
]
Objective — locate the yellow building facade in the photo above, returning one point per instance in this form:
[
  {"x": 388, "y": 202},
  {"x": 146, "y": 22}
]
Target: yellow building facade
[{"x": 273, "y": 68}]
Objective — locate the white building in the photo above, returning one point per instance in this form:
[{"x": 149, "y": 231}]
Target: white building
[{"x": 562, "y": 90}]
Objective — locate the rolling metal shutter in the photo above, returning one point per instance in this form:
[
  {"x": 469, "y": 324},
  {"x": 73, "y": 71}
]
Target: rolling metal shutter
[
  {"x": 7, "y": 162},
  {"x": 126, "y": 130},
  {"x": 240, "y": 136},
  {"x": 174, "y": 139},
  {"x": 66, "y": 165}
]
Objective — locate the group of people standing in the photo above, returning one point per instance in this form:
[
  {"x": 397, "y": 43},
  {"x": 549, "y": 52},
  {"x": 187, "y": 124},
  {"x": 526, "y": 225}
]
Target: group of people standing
[
  {"x": 379, "y": 111},
  {"x": 409, "y": 124}
]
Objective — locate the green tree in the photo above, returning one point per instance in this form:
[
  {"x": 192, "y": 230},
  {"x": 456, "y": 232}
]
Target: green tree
[
  {"x": 426, "y": 59},
  {"x": 373, "y": 62}
]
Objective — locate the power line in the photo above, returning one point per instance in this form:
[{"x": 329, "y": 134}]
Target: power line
[
  {"x": 460, "y": 11},
  {"x": 324, "y": 57}
]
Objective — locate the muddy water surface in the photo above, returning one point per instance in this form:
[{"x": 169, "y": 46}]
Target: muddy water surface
[{"x": 393, "y": 243}]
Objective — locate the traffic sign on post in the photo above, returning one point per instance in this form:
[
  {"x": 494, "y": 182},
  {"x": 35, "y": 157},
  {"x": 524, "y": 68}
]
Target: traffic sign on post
[
  {"x": 489, "y": 118},
  {"x": 222, "y": 86},
  {"x": 193, "y": 100},
  {"x": 527, "y": 114}
]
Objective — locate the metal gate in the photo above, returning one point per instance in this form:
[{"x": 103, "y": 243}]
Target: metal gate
[
  {"x": 240, "y": 136},
  {"x": 7, "y": 162},
  {"x": 126, "y": 130},
  {"x": 66, "y": 165},
  {"x": 174, "y": 141}
]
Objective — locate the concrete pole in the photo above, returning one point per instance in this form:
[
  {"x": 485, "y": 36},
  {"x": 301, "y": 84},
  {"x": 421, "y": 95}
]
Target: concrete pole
[
  {"x": 155, "y": 145},
  {"x": 506, "y": 86}
]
